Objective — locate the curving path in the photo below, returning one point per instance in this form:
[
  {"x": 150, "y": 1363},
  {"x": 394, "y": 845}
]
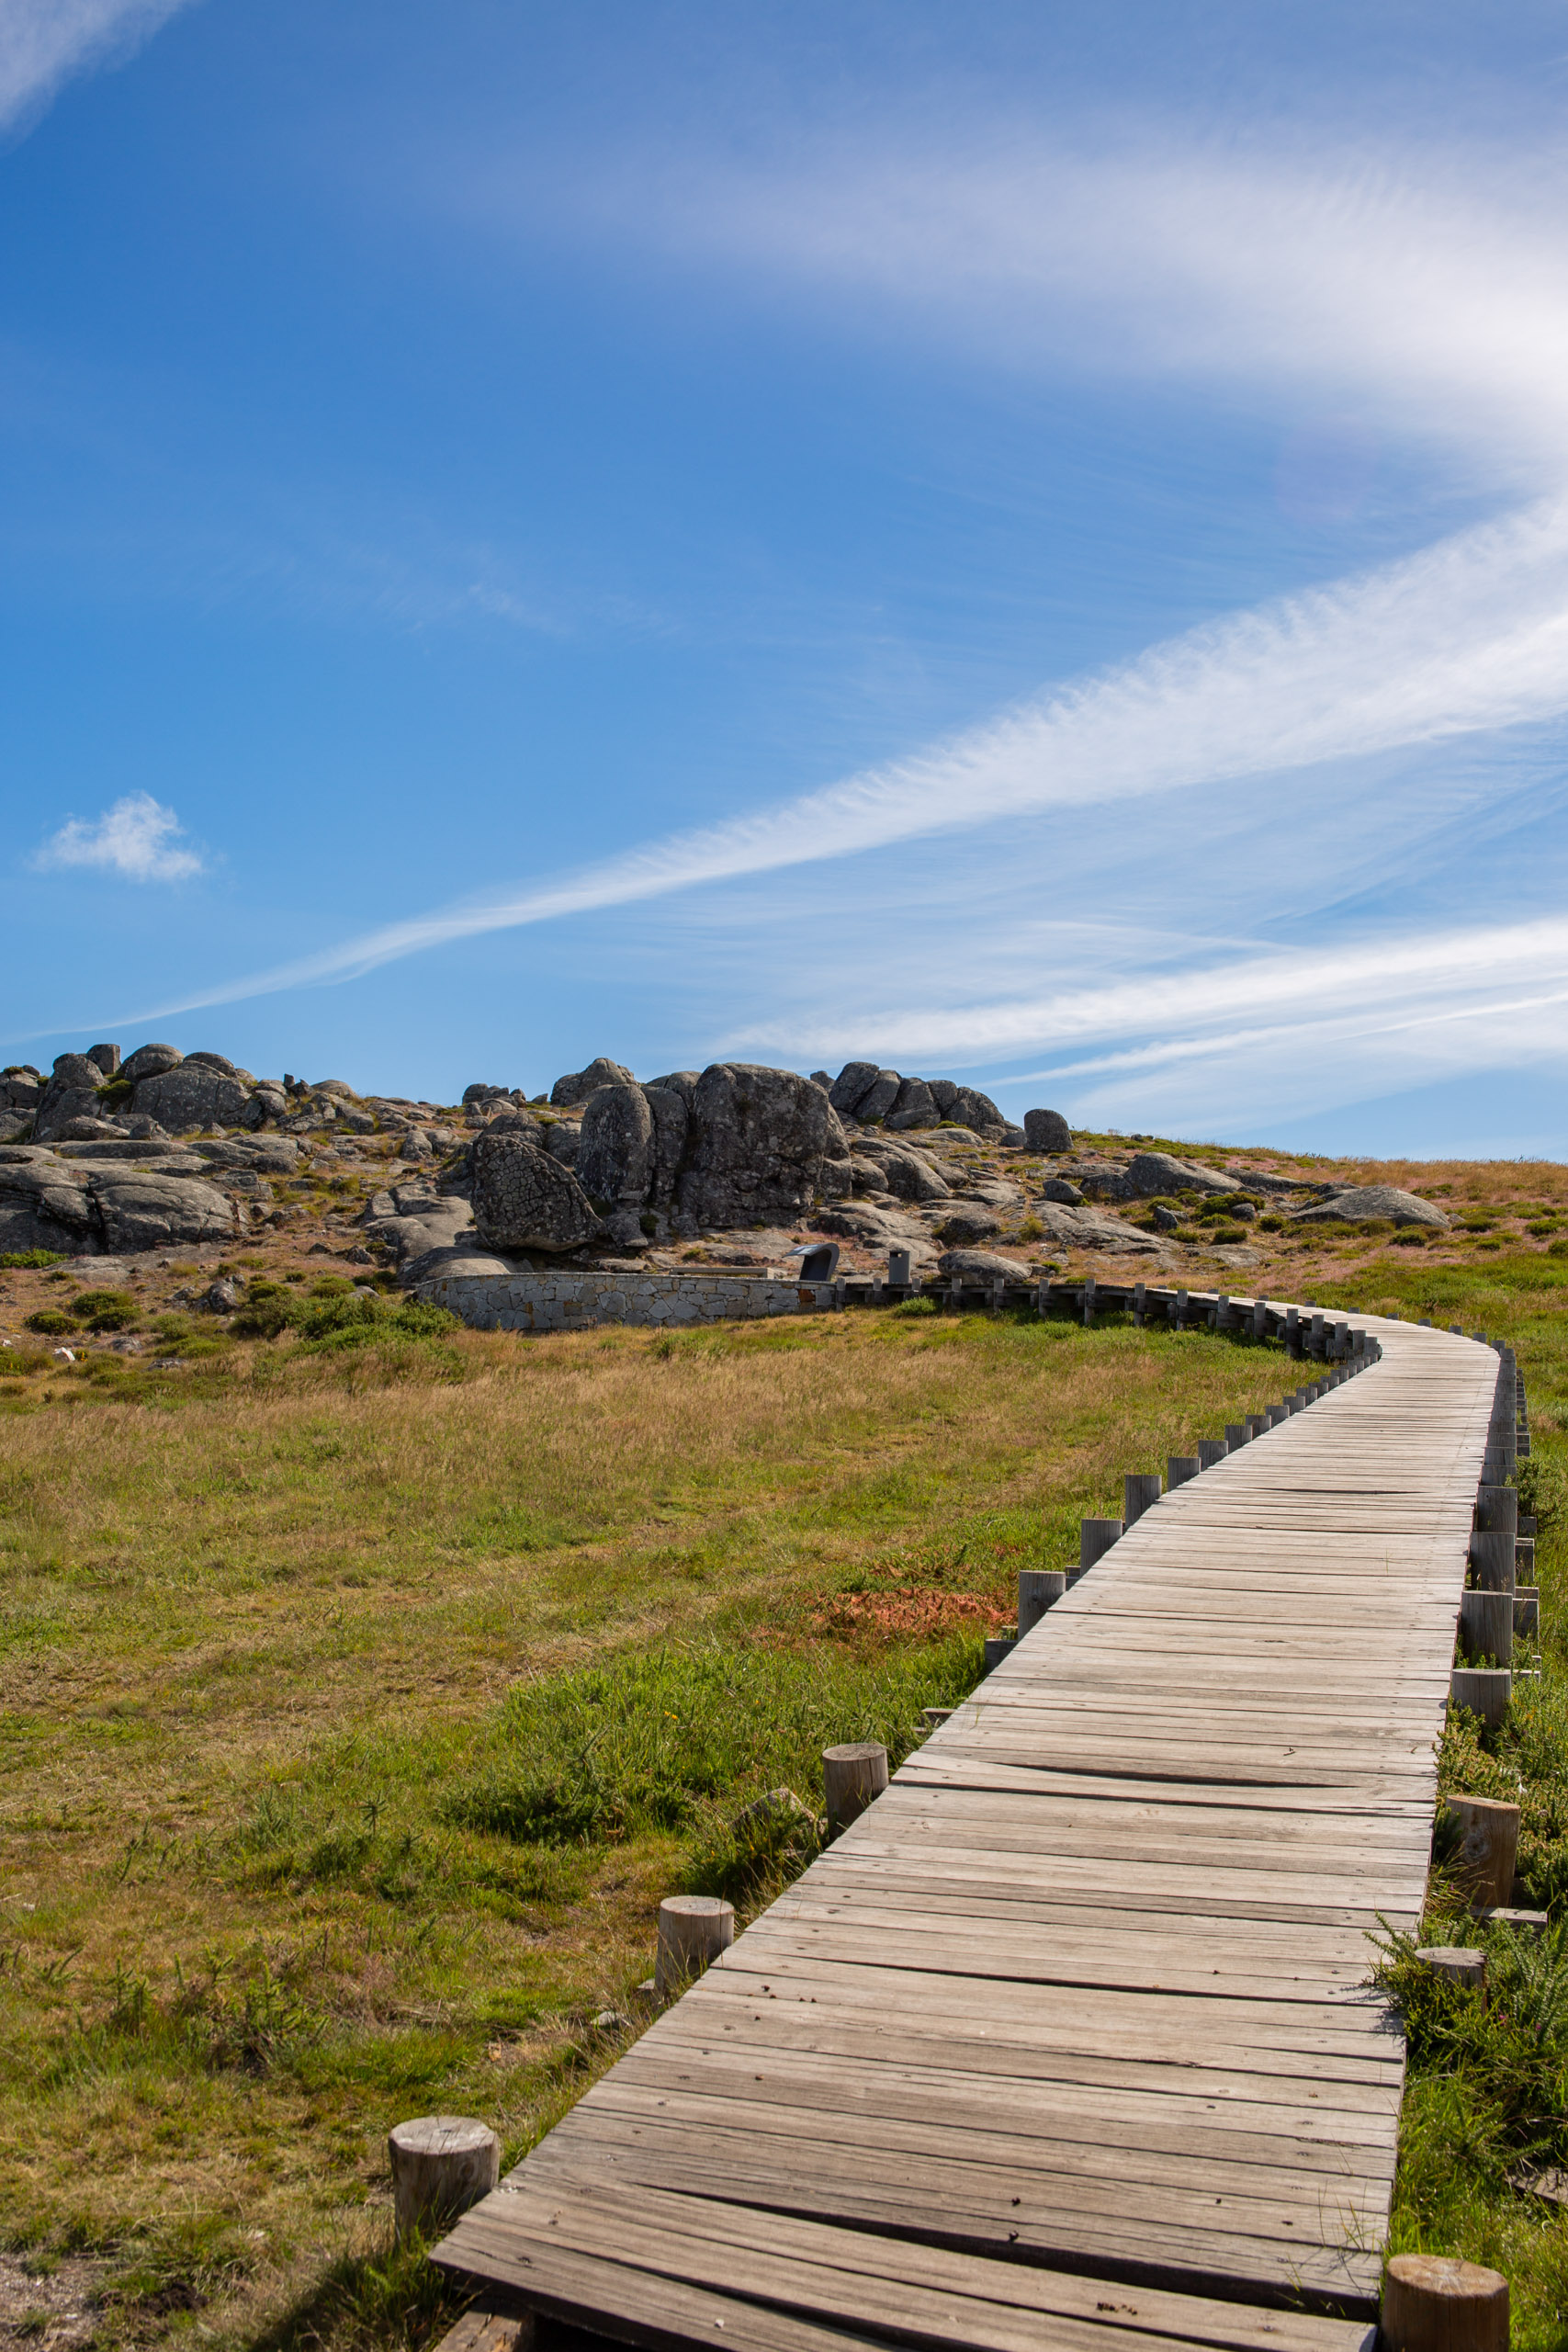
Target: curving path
[{"x": 1066, "y": 2042}]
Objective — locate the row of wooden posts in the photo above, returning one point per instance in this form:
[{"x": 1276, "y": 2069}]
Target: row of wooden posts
[{"x": 441, "y": 2165}]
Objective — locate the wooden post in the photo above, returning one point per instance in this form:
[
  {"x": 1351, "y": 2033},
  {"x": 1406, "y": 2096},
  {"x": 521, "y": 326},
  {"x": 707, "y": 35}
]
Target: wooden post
[
  {"x": 1210, "y": 1450},
  {"x": 998, "y": 1646},
  {"x": 1095, "y": 1538},
  {"x": 1259, "y": 1317},
  {"x": 1493, "y": 1555},
  {"x": 1257, "y": 1423},
  {"x": 1140, "y": 1292},
  {"x": 1042, "y": 1296},
  {"x": 1486, "y": 1625},
  {"x": 1489, "y": 1834},
  {"x": 1484, "y": 1690},
  {"x": 1141, "y": 1491},
  {"x": 1179, "y": 1468},
  {"x": 693, "y": 1930},
  {"x": 1293, "y": 1332},
  {"x": 956, "y": 1295},
  {"x": 1237, "y": 1434},
  {"x": 851, "y": 1776},
  {"x": 441, "y": 2165},
  {"x": 1278, "y": 1413},
  {"x": 1315, "y": 1336},
  {"x": 1089, "y": 1301},
  {"x": 1038, "y": 1590},
  {"x": 1497, "y": 1510},
  {"x": 1224, "y": 1319},
  {"x": 1434, "y": 2302},
  {"x": 1527, "y": 1611},
  {"x": 1179, "y": 1311}
]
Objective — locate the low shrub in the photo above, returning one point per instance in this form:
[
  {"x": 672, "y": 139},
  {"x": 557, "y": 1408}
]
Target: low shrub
[
  {"x": 29, "y": 1260},
  {"x": 663, "y": 1741},
  {"x": 105, "y": 1310},
  {"x": 53, "y": 1321}
]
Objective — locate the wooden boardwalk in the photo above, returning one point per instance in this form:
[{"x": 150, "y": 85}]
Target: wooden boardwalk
[{"x": 1067, "y": 2041}]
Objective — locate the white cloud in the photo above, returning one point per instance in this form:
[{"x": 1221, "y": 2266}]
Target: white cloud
[
  {"x": 136, "y": 838},
  {"x": 43, "y": 42}
]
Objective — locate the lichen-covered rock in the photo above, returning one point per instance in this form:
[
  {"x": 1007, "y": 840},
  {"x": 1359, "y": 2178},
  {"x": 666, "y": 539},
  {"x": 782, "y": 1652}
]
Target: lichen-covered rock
[
  {"x": 914, "y": 1106},
  {"x": 682, "y": 1082},
  {"x": 1373, "y": 1201},
  {"x": 765, "y": 1144},
  {"x": 45, "y": 1206},
  {"x": 670, "y": 1107},
  {"x": 970, "y": 1221},
  {"x": 150, "y": 1061},
  {"x": 907, "y": 1175},
  {"x": 524, "y": 1199},
  {"x": 577, "y": 1085},
  {"x": 191, "y": 1096},
  {"x": 1046, "y": 1131},
  {"x": 853, "y": 1083},
  {"x": 879, "y": 1096},
  {"x": 1152, "y": 1172},
  {"x": 1089, "y": 1228},
  {"x": 1056, "y": 1188},
  {"x": 71, "y": 1093},
  {"x": 140, "y": 1211},
  {"x": 615, "y": 1153},
  {"x": 981, "y": 1266},
  {"x": 970, "y": 1108}
]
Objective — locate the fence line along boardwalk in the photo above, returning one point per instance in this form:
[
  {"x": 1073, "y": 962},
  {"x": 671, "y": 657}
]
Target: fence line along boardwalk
[{"x": 1068, "y": 2039}]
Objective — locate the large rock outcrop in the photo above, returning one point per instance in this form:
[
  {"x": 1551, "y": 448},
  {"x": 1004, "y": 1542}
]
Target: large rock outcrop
[
  {"x": 524, "y": 1199},
  {"x": 86, "y": 1207},
  {"x": 862, "y": 1090},
  {"x": 150, "y": 1061},
  {"x": 191, "y": 1096},
  {"x": 1046, "y": 1131},
  {"x": 765, "y": 1146},
  {"x": 140, "y": 1211},
  {"x": 72, "y": 1094}
]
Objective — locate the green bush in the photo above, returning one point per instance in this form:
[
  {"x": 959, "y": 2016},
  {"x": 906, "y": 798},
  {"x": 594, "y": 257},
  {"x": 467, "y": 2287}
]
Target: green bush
[
  {"x": 51, "y": 1321},
  {"x": 677, "y": 1737},
  {"x": 29, "y": 1260},
  {"x": 105, "y": 1310},
  {"x": 354, "y": 1322}
]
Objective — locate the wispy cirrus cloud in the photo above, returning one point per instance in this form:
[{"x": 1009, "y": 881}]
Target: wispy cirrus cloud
[
  {"x": 138, "y": 839},
  {"x": 44, "y": 42}
]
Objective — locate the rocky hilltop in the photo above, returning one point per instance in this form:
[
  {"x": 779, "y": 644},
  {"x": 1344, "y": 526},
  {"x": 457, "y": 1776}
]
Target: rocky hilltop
[{"x": 737, "y": 1165}]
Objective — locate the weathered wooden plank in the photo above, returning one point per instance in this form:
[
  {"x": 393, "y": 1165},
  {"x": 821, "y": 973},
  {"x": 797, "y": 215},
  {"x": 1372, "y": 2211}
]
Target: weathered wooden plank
[{"x": 1091, "y": 1976}]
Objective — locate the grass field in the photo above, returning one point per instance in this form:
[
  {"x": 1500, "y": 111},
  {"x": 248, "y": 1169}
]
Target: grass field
[{"x": 360, "y": 1701}]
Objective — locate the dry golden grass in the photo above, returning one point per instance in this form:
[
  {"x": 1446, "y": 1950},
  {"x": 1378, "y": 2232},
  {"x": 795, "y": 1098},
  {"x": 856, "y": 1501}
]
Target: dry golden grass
[{"x": 252, "y": 1638}]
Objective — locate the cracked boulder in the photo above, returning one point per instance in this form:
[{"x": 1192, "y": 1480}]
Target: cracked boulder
[
  {"x": 765, "y": 1147},
  {"x": 192, "y": 1096},
  {"x": 1373, "y": 1201},
  {"x": 616, "y": 1149},
  {"x": 1152, "y": 1172},
  {"x": 525, "y": 1199}
]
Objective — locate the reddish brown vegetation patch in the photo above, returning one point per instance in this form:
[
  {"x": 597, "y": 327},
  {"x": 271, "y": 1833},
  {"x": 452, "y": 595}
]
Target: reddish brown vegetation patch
[{"x": 908, "y": 1613}]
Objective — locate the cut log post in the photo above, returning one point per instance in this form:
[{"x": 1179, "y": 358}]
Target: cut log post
[
  {"x": 1237, "y": 1434},
  {"x": 1141, "y": 1491},
  {"x": 1038, "y": 1590},
  {"x": 852, "y": 1776},
  {"x": 1489, "y": 1840},
  {"x": 1089, "y": 1301},
  {"x": 1225, "y": 1319},
  {"x": 1257, "y": 1423},
  {"x": 1494, "y": 1558},
  {"x": 935, "y": 1717},
  {"x": 1293, "y": 1332},
  {"x": 1179, "y": 1468},
  {"x": 1524, "y": 1561},
  {"x": 693, "y": 1930},
  {"x": 1527, "y": 1612},
  {"x": 1484, "y": 1690},
  {"x": 1434, "y": 2302},
  {"x": 1178, "y": 1309},
  {"x": 441, "y": 2165},
  {"x": 1140, "y": 1292},
  {"x": 1095, "y": 1538},
  {"x": 1278, "y": 1413},
  {"x": 998, "y": 1647},
  {"x": 1259, "y": 1317},
  {"x": 1486, "y": 1626},
  {"x": 1315, "y": 1336},
  {"x": 1460, "y": 1963},
  {"x": 1210, "y": 1450},
  {"x": 851, "y": 1779}
]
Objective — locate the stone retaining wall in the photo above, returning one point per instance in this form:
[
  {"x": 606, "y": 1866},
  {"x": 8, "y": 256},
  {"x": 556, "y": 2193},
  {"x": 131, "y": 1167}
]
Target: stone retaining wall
[{"x": 568, "y": 1302}]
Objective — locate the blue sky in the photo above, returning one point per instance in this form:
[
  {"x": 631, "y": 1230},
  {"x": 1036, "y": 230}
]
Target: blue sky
[{"x": 1031, "y": 544}]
